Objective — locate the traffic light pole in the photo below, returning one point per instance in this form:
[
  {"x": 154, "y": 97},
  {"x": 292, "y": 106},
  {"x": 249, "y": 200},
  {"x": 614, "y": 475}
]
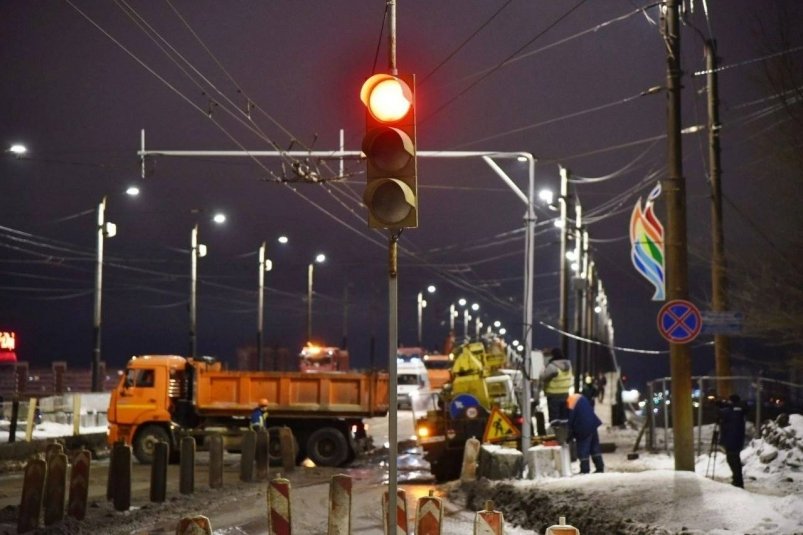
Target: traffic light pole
[{"x": 489, "y": 157}]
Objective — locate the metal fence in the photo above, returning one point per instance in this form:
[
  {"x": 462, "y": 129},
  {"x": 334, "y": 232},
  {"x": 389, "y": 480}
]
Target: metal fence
[{"x": 764, "y": 398}]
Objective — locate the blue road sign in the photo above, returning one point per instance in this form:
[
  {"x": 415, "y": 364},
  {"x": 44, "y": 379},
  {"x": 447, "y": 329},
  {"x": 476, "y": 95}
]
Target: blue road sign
[
  {"x": 679, "y": 321},
  {"x": 461, "y": 403}
]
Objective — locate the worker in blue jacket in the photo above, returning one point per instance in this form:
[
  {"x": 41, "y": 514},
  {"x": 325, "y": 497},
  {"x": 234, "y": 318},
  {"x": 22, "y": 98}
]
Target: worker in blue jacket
[
  {"x": 259, "y": 414},
  {"x": 731, "y": 436},
  {"x": 583, "y": 424}
]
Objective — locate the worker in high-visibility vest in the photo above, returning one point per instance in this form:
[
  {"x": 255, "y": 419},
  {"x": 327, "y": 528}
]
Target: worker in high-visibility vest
[
  {"x": 259, "y": 415},
  {"x": 556, "y": 380}
]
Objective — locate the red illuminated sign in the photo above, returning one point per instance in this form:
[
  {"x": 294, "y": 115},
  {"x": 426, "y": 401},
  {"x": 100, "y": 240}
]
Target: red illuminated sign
[{"x": 8, "y": 340}]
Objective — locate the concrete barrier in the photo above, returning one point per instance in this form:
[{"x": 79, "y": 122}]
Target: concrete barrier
[
  {"x": 548, "y": 461},
  {"x": 497, "y": 462}
]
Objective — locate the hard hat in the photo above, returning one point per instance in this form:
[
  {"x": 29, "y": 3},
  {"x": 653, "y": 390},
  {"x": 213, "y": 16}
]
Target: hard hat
[{"x": 263, "y": 402}]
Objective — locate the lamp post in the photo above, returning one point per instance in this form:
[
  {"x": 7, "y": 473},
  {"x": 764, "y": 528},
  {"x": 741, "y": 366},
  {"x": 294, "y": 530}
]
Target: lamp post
[
  {"x": 197, "y": 250},
  {"x": 264, "y": 265},
  {"x": 320, "y": 258},
  {"x": 422, "y": 303}
]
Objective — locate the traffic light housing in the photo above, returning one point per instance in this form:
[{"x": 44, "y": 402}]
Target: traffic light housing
[{"x": 390, "y": 151}]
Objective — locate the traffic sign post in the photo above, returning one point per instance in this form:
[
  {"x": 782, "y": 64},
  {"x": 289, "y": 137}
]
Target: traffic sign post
[{"x": 679, "y": 321}]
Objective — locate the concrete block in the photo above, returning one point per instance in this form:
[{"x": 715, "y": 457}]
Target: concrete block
[{"x": 497, "y": 462}]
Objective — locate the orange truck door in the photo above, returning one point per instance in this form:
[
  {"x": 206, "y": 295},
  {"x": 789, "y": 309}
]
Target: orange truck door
[{"x": 141, "y": 395}]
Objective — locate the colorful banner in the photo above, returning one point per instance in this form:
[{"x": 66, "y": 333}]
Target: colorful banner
[{"x": 647, "y": 243}]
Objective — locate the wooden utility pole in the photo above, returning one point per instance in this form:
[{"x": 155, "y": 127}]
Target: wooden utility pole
[
  {"x": 674, "y": 187},
  {"x": 719, "y": 273}
]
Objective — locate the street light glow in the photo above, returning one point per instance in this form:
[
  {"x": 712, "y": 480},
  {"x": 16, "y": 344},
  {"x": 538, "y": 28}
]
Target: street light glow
[
  {"x": 546, "y": 196},
  {"x": 18, "y": 149},
  {"x": 219, "y": 218},
  {"x": 132, "y": 191},
  {"x": 461, "y": 302},
  {"x": 283, "y": 239},
  {"x": 320, "y": 258},
  {"x": 475, "y": 307},
  {"x": 502, "y": 331},
  {"x": 431, "y": 288}
]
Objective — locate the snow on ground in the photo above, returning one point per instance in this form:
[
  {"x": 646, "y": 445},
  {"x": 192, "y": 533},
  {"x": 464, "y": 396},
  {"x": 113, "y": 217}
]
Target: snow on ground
[
  {"x": 46, "y": 430},
  {"x": 647, "y": 496}
]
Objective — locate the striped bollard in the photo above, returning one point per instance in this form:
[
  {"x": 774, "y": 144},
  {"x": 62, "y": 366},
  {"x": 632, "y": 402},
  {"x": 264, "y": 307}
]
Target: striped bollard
[
  {"x": 33, "y": 485},
  {"x": 194, "y": 525},
  {"x": 562, "y": 528},
  {"x": 279, "y": 517},
  {"x": 468, "y": 472},
  {"x": 55, "y": 485},
  {"x": 429, "y": 515},
  {"x": 340, "y": 505},
  {"x": 489, "y": 522},
  {"x": 79, "y": 485},
  {"x": 401, "y": 513}
]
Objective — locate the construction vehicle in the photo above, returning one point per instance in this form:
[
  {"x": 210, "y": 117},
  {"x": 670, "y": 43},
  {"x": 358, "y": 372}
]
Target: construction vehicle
[
  {"x": 321, "y": 359},
  {"x": 480, "y": 387},
  {"x": 167, "y": 397},
  {"x": 439, "y": 369}
]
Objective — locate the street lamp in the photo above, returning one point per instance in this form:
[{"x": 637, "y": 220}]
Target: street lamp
[
  {"x": 197, "y": 250},
  {"x": 105, "y": 229},
  {"x": 319, "y": 259},
  {"x": 264, "y": 265},
  {"x": 422, "y": 303}
]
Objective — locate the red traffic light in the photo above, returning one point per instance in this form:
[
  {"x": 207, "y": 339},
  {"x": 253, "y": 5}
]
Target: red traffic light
[{"x": 387, "y": 98}]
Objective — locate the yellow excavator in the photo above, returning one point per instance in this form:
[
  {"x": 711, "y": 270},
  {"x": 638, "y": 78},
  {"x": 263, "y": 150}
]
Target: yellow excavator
[{"x": 479, "y": 384}]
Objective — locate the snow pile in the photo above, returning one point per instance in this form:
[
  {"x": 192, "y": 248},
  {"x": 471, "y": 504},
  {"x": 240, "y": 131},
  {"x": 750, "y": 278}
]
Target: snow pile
[{"x": 777, "y": 456}]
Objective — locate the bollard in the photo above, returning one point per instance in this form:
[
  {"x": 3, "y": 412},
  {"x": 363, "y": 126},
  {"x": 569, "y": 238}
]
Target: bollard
[
  {"x": 401, "y": 513},
  {"x": 194, "y": 525},
  {"x": 215, "y": 461},
  {"x": 279, "y": 511},
  {"x": 261, "y": 455},
  {"x": 489, "y": 522},
  {"x": 287, "y": 444},
  {"x": 79, "y": 485},
  {"x": 247, "y": 453},
  {"x": 159, "y": 472},
  {"x": 562, "y": 528},
  {"x": 429, "y": 515},
  {"x": 55, "y": 485},
  {"x": 468, "y": 472},
  {"x": 110, "y": 473},
  {"x": 15, "y": 413},
  {"x": 31, "y": 502},
  {"x": 29, "y": 422},
  {"x": 52, "y": 449},
  {"x": 187, "y": 467},
  {"x": 340, "y": 505},
  {"x": 120, "y": 476}
]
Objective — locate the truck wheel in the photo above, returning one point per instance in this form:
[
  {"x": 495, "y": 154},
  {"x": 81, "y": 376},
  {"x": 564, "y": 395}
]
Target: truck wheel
[
  {"x": 275, "y": 447},
  {"x": 146, "y": 439},
  {"x": 327, "y": 447}
]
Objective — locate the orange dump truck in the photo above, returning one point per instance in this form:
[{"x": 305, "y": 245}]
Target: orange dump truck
[{"x": 166, "y": 397}]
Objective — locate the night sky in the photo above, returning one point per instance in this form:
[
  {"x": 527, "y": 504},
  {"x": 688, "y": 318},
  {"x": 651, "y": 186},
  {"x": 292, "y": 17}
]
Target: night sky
[{"x": 82, "y": 78}]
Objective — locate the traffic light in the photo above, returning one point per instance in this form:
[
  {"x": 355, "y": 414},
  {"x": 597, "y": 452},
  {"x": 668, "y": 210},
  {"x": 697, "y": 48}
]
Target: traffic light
[{"x": 389, "y": 147}]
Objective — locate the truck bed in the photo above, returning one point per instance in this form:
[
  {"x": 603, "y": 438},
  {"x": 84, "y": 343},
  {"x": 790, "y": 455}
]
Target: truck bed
[{"x": 312, "y": 394}]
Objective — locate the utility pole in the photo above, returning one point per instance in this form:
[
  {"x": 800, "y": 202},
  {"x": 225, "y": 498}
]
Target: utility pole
[
  {"x": 719, "y": 271},
  {"x": 674, "y": 187},
  {"x": 563, "y": 320}
]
